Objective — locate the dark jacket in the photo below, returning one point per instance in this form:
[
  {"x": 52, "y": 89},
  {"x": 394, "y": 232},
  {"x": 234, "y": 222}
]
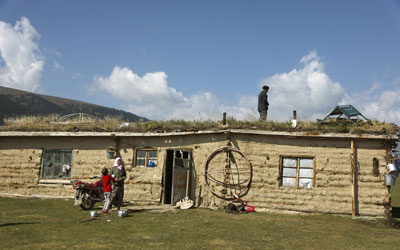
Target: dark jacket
[
  {"x": 118, "y": 174},
  {"x": 263, "y": 101}
]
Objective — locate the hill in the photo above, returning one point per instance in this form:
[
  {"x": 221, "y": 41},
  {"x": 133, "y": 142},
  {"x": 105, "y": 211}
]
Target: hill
[{"x": 14, "y": 103}]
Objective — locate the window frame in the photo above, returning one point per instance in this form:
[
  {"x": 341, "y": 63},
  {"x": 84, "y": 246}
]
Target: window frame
[
  {"x": 56, "y": 176},
  {"x": 147, "y": 158},
  {"x": 298, "y": 158}
]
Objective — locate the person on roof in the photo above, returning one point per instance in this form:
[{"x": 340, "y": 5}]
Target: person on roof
[{"x": 263, "y": 103}]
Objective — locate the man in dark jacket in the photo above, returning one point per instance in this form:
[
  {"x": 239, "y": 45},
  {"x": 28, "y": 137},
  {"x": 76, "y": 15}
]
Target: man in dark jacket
[{"x": 263, "y": 103}]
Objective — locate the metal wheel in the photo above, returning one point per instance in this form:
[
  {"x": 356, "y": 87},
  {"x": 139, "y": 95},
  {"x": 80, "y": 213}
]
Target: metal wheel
[
  {"x": 87, "y": 204},
  {"x": 228, "y": 172}
]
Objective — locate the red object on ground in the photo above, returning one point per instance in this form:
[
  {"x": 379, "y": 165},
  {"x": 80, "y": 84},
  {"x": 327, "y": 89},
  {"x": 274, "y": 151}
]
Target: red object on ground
[{"x": 246, "y": 207}]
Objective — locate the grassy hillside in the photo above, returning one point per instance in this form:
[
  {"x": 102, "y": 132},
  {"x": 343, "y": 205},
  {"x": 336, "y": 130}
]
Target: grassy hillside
[{"x": 17, "y": 103}]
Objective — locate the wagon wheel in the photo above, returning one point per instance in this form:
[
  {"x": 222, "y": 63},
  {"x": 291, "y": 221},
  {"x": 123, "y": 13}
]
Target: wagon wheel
[{"x": 228, "y": 172}]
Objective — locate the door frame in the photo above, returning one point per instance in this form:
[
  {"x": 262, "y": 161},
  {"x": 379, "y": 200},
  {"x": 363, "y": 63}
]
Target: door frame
[{"x": 169, "y": 174}]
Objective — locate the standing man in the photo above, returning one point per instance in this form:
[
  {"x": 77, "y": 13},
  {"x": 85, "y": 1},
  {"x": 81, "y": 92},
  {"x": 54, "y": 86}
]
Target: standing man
[{"x": 263, "y": 103}]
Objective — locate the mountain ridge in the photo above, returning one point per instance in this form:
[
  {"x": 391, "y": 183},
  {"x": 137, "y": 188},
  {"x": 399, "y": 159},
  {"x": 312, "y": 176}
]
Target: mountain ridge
[{"x": 15, "y": 102}]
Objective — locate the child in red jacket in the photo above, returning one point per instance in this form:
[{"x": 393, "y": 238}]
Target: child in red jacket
[{"x": 107, "y": 189}]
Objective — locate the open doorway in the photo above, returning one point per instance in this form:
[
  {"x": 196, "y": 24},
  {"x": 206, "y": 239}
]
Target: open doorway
[{"x": 177, "y": 174}]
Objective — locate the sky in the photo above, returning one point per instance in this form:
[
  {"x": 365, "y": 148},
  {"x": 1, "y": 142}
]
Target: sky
[{"x": 194, "y": 60}]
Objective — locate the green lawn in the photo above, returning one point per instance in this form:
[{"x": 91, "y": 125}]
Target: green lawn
[
  {"x": 57, "y": 224},
  {"x": 395, "y": 192}
]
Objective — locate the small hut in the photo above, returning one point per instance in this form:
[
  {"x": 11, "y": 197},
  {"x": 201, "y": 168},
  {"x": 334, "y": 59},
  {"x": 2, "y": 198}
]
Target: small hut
[{"x": 347, "y": 112}]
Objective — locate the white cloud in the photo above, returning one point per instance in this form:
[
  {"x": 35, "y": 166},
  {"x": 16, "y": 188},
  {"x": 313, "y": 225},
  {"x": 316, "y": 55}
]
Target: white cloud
[
  {"x": 52, "y": 51},
  {"x": 308, "y": 90},
  {"x": 377, "y": 103},
  {"x": 21, "y": 61},
  {"x": 150, "y": 96},
  {"x": 58, "y": 66},
  {"x": 312, "y": 93}
]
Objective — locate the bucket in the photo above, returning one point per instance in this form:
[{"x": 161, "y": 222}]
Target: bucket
[
  {"x": 392, "y": 169},
  {"x": 390, "y": 180},
  {"x": 110, "y": 154},
  {"x": 94, "y": 213},
  {"x": 122, "y": 213}
]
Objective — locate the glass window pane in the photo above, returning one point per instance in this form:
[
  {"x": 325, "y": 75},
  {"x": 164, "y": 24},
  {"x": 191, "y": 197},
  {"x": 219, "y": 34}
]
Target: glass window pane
[
  {"x": 289, "y": 162},
  {"x": 141, "y": 154},
  {"x": 57, "y": 171},
  {"x": 289, "y": 181},
  {"x": 186, "y": 163},
  {"x": 306, "y": 172},
  {"x": 67, "y": 157},
  {"x": 46, "y": 171},
  {"x": 53, "y": 162},
  {"x": 306, "y": 163},
  {"x": 289, "y": 172},
  {"x": 305, "y": 182},
  {"x": 153, "y": 154},
  {"x": 140, "y": 162},
  {"x": 178, "y": 163}
]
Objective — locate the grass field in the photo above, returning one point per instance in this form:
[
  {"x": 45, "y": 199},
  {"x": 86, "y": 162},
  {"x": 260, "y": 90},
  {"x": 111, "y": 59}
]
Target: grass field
[
  {"x": 395, "y": 192},
  {"x": 57, "y": 224}
]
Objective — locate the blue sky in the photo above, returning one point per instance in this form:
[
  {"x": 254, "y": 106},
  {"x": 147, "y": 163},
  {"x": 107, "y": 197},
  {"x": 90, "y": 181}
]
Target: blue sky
[{"x": 196, "y": 59}]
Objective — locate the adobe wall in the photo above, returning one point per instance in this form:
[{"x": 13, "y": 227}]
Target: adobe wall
[
  {"x": 333, "y": 191},
  {"x": 20, "y": 159},
  {"x": 20, "y": 169}
]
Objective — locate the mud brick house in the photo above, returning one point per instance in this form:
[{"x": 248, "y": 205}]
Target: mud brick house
[{"x": 291, "y": 171}]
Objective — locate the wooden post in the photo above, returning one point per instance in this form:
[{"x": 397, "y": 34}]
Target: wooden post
[
  {"x": 354, "y": 210},
  {"x": 227, "y": 172},
  {"x": 294, "y": 115},
  {"x": 224, "y": 118}
]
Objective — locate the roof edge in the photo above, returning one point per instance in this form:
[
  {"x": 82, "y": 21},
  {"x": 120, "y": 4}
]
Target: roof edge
[{"x": 205, "y": 132}]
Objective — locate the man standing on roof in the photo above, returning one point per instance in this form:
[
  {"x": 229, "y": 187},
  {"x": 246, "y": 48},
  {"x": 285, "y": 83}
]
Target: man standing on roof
[{"x": 263, "y": 103}]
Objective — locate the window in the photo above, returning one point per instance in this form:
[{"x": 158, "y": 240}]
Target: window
[
  {"x": 146, "y": 158},
  {"x": 182, "y": 158},
  {"x": 297, "y": 171},
  {"x": 56, "y": 164}
]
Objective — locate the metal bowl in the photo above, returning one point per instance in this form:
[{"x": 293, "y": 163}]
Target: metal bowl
[
  {"x": 94, "y": 213},
  {"x": 122, "y": 213},
  {"x": 392, "y": 169}
]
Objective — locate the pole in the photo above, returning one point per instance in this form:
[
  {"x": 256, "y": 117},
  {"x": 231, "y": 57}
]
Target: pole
[
  {"x": 354, "y": 178},
  {"x": 224, "y": 118}
]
